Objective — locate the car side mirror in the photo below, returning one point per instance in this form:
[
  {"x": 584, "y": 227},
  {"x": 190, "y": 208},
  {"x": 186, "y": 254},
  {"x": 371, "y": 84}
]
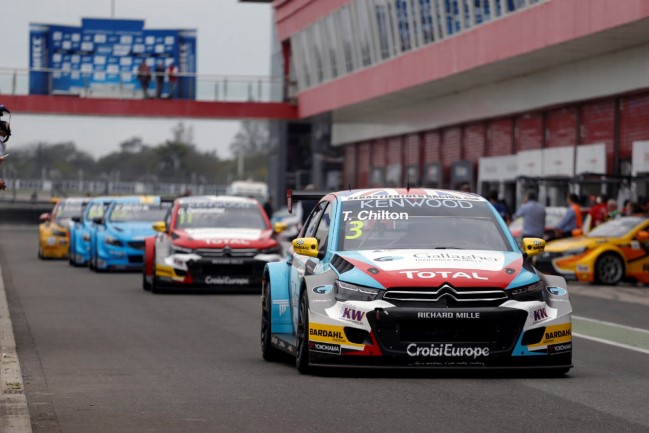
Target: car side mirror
[
  {"x": 98, "y": 220},
  {"x": 642, "y": 235},
  {"x": 306, "y": 246},
  {"x": 533, "y": 246},
  {"x": 76, "y": 219},
  {"x": 160, "y": 226},
  {"x": 280, "y": 227},
  {"x": 44, "y": 217}
]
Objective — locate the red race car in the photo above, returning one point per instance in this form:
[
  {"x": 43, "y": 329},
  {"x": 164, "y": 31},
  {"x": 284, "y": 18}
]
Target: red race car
[{"x": 210, "y": 242}]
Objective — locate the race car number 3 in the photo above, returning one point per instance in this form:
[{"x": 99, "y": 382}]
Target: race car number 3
[{"x": 355, "y": 231}]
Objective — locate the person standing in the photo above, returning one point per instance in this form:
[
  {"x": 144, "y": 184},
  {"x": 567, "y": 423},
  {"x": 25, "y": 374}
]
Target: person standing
[
  {"x": 159, "y": 78},
  {"x": 533, "y": 214},
  {"x": 598, "y": 212},
  {"x": 172, "y": 77},
  {"x": 5, "y": 133},
  {"x": 613, "y": 211},
  {"x": 498, "y": 205},
  {"x": 144, "y": 77},
  {"x": 268, "y": 207},
  {"x": 572, "y": 219}
]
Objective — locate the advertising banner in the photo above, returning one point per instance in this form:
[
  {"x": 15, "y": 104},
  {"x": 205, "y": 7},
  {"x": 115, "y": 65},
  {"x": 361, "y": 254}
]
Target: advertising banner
[
  {"x": 39, "y": 81},
  {"x": 187, "y": 64},
  {"x": 101, "y": 58},
  {"x": 591, "y": 158}
]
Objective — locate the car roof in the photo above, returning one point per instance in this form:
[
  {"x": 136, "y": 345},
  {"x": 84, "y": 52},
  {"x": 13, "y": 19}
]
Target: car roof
[
  {"x": 399, "y": 193},
  {"x": 215, "y": 199}
]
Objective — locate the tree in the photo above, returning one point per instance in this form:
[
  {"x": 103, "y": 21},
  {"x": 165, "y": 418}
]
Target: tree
[{"x": 253, "y": 137}]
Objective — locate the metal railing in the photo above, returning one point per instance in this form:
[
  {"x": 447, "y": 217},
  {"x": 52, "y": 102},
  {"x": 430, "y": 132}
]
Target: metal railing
[
  {"x": 209, "y": 87},
  {"x": 39, "y": 189}
]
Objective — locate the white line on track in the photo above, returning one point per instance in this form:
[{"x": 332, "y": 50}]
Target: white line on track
[
  {"x": 616, "y": 325},
  {"x": 612, "y": 343}
]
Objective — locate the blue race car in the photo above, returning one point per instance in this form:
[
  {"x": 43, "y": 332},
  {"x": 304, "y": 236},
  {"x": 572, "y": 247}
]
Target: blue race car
[
  {"x": 80, "y": 230},
  {"x": 416, "y": 278},
  {"x": 118, "y": 239}
]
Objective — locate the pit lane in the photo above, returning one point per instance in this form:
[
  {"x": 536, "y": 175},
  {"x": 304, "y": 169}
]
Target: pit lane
[{"x": 99, "y": 354}]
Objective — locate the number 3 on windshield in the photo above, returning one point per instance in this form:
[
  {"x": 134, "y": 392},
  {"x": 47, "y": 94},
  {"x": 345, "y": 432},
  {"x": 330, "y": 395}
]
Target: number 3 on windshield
[{"x": 355, "y": 230}]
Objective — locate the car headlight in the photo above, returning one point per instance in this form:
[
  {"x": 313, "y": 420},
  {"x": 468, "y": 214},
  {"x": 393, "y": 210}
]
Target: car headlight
[
  {"x": 532, "y": 292},
  {"x": 352, "y": 292},
  {"x": 111, "y": 240},
  {"x": 181, "y": 250},
  {"x": 576, "y": 251}
]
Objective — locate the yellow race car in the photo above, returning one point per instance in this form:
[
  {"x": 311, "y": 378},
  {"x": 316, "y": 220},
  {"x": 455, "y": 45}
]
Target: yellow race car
[
  {"x": 613, "y": 251},
  {"x": 54, "y": 230}
]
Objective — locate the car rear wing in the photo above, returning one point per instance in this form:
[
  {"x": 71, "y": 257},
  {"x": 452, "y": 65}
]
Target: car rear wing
[{"x": 302, "y": 195}]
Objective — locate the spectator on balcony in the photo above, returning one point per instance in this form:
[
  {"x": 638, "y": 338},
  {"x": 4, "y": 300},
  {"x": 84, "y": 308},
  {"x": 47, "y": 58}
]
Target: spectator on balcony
[
  {"x": 172, "y": 77},
  {"x": 159, "y": 78},
  {"x": 144, "y": 77}
]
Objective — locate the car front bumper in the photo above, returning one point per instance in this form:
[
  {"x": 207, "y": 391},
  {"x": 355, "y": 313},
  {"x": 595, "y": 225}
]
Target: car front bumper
[{"x": 497, "y": 337}]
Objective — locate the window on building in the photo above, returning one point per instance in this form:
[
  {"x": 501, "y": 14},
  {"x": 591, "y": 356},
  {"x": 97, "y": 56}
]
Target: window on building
[
  {"x": 364, "y": 32},
  {"x": 331, "y": 35},
  {"x": 382, "y": 23},
  {"x": 347, "y": 37}
]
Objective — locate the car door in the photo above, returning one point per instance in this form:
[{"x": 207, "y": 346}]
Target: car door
[{"x": 299, "y": 262}]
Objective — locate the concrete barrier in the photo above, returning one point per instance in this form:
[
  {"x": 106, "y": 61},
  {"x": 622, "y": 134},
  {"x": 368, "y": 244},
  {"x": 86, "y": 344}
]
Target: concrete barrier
[{"x": 23, "y": 212}]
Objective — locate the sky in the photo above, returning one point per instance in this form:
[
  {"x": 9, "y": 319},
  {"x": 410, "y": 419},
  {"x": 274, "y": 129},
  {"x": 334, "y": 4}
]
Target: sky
[{"x": 233, "y": 39}]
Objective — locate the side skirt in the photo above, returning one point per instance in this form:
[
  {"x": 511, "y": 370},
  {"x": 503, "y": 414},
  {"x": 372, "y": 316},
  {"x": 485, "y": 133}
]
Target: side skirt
[{"x": 285, "y": 342}]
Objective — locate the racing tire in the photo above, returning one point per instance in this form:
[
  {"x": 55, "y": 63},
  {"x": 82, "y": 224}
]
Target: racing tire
[
  {"x": 609, "y": 269},
  {"x": 268, "y": 352},
  {"x": 155, "y": 285},
  {"x": 40, "y": 253},
  {"x": 302, "y": 356},
  {"x": 145, "y": 284}
]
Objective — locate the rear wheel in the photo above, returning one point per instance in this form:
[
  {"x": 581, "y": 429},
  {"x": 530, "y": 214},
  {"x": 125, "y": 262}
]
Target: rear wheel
[
  {"x": 609, "y": 269},
  {"x": 268, "y": 352},
  {"x": 40, "y": 252},
  {"x": 302, "y": 358}
]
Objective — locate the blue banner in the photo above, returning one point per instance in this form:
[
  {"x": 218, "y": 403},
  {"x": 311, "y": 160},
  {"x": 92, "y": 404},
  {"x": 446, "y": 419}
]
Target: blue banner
[{"x": 101, "y": 59}]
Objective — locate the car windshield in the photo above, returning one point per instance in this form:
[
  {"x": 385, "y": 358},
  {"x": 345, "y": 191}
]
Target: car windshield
[
  {"x": 420, "y": 222},
  {"x": 137, "y": 212},
  {"x": 615, "y": 228},
  {"x": 65, "y": 211},
  {"x": 220, "y": 215}
]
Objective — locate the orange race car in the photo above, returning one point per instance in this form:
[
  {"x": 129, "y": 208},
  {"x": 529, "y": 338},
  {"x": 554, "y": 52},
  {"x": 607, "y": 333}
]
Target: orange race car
[{"x": 613, "y": 251}]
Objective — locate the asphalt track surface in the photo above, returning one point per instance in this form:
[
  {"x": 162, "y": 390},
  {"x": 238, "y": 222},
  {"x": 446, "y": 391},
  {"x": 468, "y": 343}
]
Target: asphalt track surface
[{"x": 98, "y": 354}]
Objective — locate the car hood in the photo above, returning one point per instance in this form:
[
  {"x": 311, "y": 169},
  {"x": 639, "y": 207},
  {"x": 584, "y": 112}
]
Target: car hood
[
  {"x": 562, "y": 245},
  {"x": 133, "y": 230},
  {"x": 432, "y": 268},
  {"x": 219, "y": 237}
]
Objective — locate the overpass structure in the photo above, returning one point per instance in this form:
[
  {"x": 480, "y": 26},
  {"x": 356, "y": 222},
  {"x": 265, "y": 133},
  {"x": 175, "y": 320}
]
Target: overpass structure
[{"x": 218, "y": 97}]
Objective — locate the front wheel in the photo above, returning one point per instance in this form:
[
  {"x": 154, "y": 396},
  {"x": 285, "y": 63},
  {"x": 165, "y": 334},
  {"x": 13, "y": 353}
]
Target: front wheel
[
  {"x": 609, "y": 269},
  {"x": 145, "y": 284},
  {"x": 302, "y": 358},
  {"x": 268, "y": 352}
]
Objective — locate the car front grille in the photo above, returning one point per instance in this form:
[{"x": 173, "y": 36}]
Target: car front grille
[
  {"x": 209, "y": 253},
  {"x": 138, "y": 245},
  {"x": 446, "y": 296}
]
